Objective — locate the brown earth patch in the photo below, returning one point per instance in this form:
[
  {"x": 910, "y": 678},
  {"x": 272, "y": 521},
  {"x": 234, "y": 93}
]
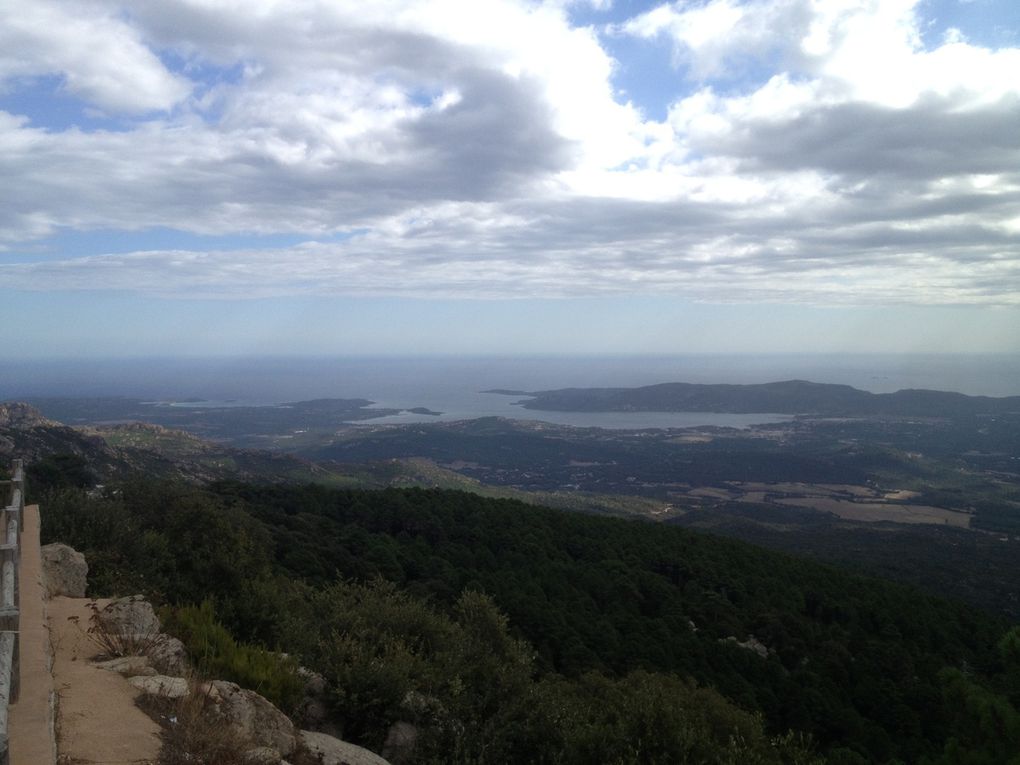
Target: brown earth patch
[{"x": 874, "y": 511}]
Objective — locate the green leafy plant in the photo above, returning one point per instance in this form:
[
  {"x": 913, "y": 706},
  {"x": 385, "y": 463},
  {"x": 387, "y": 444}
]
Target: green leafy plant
[{"x": 215, "y": 653}]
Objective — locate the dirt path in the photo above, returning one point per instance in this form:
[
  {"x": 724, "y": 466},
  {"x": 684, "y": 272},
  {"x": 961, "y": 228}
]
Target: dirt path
[
  {"x": 97, "y": 720},
  {"x": 31, "y": 718}
]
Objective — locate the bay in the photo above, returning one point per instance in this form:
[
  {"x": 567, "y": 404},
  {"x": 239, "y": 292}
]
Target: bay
[{"x": 454, "y": 385}]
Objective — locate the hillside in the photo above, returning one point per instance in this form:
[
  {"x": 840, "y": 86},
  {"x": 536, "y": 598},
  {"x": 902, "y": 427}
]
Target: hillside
[
  {"x": 118, "y": 451},
  {"x": 854, "y": 662},
  {"x": 789, "y": 397}
]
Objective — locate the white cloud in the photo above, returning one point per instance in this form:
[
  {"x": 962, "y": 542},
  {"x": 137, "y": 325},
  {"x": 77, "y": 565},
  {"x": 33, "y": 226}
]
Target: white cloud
[
  {"x": 821, "y": 153},
  {"x": 859, "y": 50},
  {"x": 100, "y": 58}
]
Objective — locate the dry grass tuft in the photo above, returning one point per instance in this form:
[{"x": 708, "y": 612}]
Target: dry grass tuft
[
  {"x": 113, "y": 643},
  {"x": 193, "y": 732}
]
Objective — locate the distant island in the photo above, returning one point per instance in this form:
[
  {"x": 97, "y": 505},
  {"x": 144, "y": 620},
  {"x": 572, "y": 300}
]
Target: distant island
[
  {"x": 423, "y": 410},
  {"x": 787, "y": 397}
]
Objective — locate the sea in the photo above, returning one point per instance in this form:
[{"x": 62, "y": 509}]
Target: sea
[{"x": 456, "y": 385}]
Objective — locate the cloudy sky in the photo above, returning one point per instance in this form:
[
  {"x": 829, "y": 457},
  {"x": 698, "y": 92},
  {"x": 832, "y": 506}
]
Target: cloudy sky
[{"x": 302, "y": 176}]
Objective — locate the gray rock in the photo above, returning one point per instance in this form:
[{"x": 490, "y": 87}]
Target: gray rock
[
  {"x": 20, "y": 416},
  {"x": 161, "y": 685},
  {"x": 315, "y": 684},
  {"x": 312, "y": 712},
  {"x": 254, "y": 717},
  {"x": 132, "y": 615},
  {"x": 333, "y": 751},
  {"x": 169, "y": 656},
  {"x": 128, "y": 666},
  {"x": 65, "y": 571},
  {"x": 751, "y": 644}
]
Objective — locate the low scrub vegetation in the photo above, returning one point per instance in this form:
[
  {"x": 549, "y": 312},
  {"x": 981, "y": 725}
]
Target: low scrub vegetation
[{"x": 215, "y": 653}]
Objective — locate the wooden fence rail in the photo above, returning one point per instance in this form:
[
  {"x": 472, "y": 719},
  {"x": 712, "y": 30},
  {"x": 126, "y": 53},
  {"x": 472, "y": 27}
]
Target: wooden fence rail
[{"x": 11, "y": 517}]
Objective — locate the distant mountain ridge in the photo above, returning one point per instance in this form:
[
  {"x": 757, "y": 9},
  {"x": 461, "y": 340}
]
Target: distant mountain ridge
[
  {"x": 126, "y": 450},
  {"x": 786, "y": 397}
]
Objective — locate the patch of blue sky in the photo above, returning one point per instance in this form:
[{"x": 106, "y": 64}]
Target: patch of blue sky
[
  {"x": 635, "y": 58},
  {"x": 47, "y": 104},
  {"x": 672, "y": 79},
  {"x": 203, "y": 73},
  {"x": 424, "y": 97},
  {"x": 989, "y": 23},
  {"x": 648, "y": 73},
  {"x": 73, "y": 243},
  {"x": 205, "y": 77},
  {"x": 644, "y": 73},
  {"x": 200, "y": 70},
  {"x": 583, "y": 14}
]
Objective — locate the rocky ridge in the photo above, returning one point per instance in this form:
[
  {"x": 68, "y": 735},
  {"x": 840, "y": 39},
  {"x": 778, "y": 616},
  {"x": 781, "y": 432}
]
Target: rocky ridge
[{"x": 156, "y": 665}]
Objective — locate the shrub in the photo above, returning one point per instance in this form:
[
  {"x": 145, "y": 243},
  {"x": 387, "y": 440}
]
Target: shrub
[{"x": 215, "y": 653}]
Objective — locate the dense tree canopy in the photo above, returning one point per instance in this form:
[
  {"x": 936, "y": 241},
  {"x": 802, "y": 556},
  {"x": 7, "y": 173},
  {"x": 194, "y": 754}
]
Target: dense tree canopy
[{"x": 509, "y": 616}]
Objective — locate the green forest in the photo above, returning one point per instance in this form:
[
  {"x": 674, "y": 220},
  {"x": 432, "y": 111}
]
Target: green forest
[{"x": 508, "y": 632}]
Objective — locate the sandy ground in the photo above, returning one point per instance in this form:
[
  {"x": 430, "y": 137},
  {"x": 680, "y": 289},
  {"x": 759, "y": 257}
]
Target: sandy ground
[{"x": 97, "y": 720}]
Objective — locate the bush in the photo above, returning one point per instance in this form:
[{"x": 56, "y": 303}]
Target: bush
[
  {"x": 58, "y": 471},
  {"x": 215, "y": 653}
]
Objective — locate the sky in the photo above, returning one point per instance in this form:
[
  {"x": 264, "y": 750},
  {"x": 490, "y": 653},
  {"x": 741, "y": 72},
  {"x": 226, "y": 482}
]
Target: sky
[{"x": 208, "y": 177}]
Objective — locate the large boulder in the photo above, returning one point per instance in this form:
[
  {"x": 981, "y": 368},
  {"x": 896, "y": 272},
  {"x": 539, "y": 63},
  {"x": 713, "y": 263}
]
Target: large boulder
[
  {"x": 333, "y": 751},
  {"x": 65, "y": 571},
  {"x": 131, "y": 616},
  {"x": 254, "y": 717}
]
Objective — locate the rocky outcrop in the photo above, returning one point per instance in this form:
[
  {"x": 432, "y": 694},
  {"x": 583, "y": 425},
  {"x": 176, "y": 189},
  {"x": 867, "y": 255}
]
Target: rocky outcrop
[
  {"x": 64, "y": 571},
  {"x": 333, "y": 751},
  {"x": 254, "y": 717},
  {"x": 131, "y": 616},
  {"x": 751, "y": 644},
  {"x": 129, "y": 627},
  {"x": 271, "y": 734},
  {"x": 20, "y": 416}
]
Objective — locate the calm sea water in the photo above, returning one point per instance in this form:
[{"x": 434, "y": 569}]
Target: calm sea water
[{"x": 453, "y": 385}]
